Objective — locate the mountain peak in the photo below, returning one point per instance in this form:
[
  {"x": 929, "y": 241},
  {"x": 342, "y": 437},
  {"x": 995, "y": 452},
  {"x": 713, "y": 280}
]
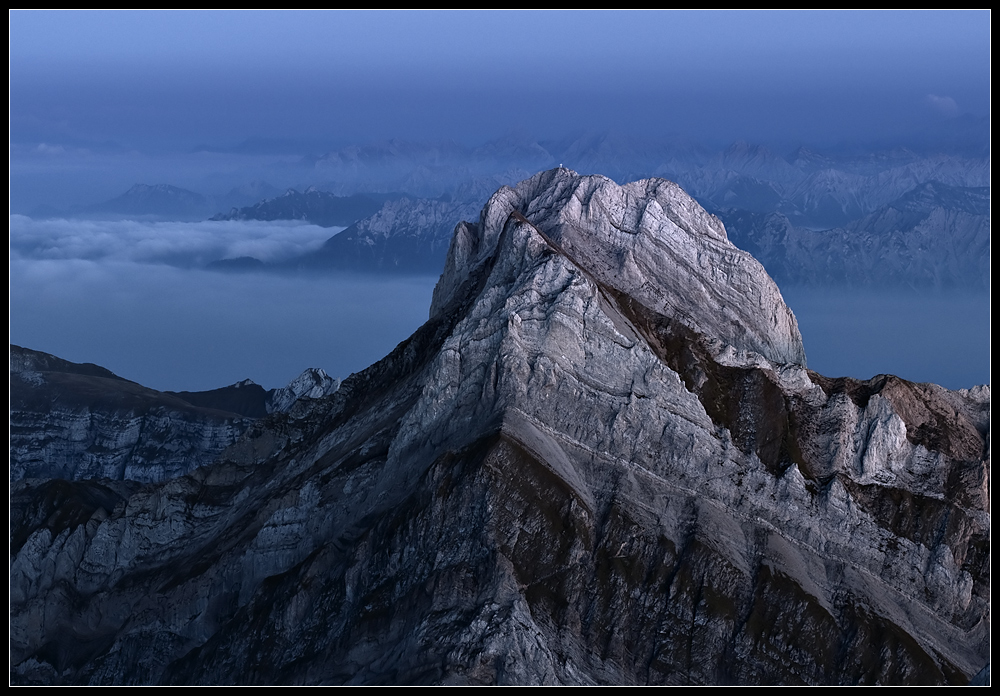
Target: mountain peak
[
  {"x": 599, "y": 461},
  {"x": 647, "y": 240}
]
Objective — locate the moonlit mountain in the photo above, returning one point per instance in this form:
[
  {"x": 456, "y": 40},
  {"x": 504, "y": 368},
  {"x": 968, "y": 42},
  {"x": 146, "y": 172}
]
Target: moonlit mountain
[
  {"x": 561, "y": 347},
  {"x": 601, "y": 461}
]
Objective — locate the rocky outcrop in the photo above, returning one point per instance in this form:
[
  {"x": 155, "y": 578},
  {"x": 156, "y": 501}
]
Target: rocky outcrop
[
  {"x": 80, "y": 421},
  {"x": 313, "y": 383},
  {"x": 648, "y": 241},
  {"x": 601, "y": 460}
]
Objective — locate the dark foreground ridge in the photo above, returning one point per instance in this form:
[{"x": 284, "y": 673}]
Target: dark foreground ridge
[
  {"x": 601, "y": 460},
  {"x": 80, "y": 421}
]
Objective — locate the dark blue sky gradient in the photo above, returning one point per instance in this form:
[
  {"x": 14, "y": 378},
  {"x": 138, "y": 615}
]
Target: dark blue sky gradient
[{"x": 179, "y": 79}]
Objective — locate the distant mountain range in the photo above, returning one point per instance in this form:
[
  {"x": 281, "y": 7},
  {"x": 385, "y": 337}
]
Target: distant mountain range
[
  {"x": 898, "y": 216},
  {"x": 158, "y": 201},
  {"x": 165, "y": 202},
  {"x": 934, "y": 235},
  {"x": 318, "y": 207},
  {"x": 406, "y": 235}
]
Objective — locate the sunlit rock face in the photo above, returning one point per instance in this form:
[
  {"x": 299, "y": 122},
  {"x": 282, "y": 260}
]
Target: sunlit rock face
[{"x": 602, "y": 460}]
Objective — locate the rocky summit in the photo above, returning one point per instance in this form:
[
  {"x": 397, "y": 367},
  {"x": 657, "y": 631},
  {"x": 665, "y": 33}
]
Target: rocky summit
[{"x": 601, "y": 461}]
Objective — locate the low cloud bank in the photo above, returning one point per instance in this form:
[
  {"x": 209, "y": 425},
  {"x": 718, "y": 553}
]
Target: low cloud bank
[{"x": 183, "y": 244}]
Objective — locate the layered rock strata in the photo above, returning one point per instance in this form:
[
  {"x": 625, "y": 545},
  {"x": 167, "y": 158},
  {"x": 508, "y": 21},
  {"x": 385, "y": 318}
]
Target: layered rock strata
[
  {"x": 601, "y": 460},
  {"x": 80, "y": 421}
]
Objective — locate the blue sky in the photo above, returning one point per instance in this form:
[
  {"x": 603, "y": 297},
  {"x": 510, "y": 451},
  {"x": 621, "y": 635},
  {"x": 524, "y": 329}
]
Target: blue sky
[{"x": 178, "y": 79}]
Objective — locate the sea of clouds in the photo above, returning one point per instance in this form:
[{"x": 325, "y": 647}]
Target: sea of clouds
[
  {"x": 135, "y": 298},
  {"x": 184, "y": 244}
]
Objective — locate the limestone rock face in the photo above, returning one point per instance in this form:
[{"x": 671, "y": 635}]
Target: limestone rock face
[
  {"x": 647, "y": 240},
  {"x": 602, "y": 460},
  {"x": 81, "y": 421}
]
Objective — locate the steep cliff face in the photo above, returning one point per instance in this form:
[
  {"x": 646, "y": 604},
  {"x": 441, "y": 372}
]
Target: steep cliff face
[
  {"x": 602, "y": 460},
  {"x": 81, "y": 421}
]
